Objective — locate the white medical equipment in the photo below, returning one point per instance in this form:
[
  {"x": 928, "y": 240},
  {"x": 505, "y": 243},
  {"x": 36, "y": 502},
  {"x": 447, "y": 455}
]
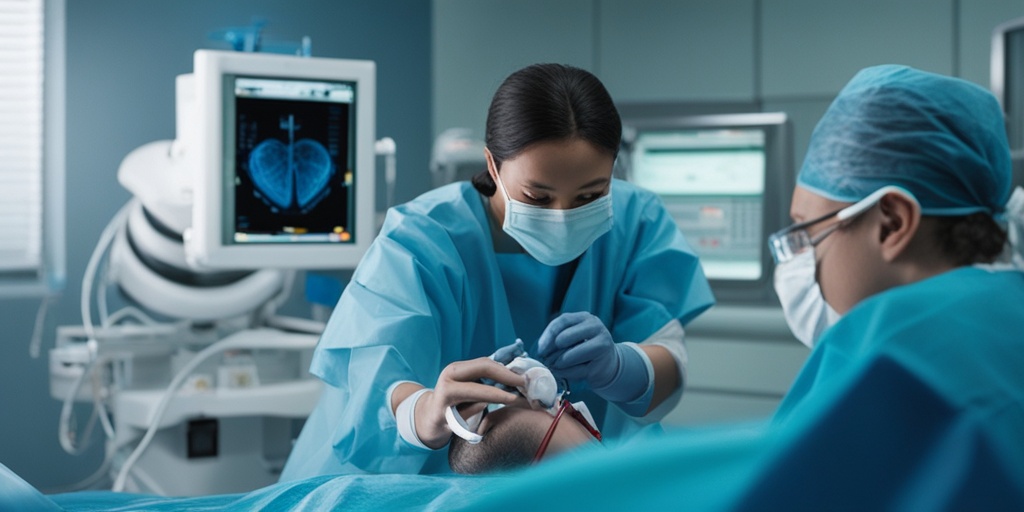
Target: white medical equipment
[
  {"x": 456, "y": 156},
  {"x": 287, "y": 134},
  {"x": 196, "y": 381}
]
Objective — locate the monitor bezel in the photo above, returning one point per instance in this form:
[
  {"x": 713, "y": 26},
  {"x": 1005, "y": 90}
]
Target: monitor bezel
[
  {"x": 778, "y": 186},
  {"x": 1011, "y": 104},
  {"x": 205, "y": 242},
  {"x": 997, "y": 62}
]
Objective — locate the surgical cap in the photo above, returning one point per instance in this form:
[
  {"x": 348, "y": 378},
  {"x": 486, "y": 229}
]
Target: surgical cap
[{"x": 941, "y": 138}]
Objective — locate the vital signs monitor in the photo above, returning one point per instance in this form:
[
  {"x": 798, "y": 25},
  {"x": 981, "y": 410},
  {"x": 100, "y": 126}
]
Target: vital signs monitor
[{"x": 726, "y": 181}]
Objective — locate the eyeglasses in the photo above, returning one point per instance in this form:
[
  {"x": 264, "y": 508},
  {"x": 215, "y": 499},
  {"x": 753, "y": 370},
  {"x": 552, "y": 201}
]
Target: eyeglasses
[
  {"x": 576, "y": 415},
  {"x": 788, "y": 243}
]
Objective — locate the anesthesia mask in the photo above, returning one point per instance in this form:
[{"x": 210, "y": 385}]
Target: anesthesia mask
[{"x": 540, "y": 389}]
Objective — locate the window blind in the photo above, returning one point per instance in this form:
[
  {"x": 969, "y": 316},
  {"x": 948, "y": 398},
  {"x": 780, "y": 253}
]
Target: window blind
[{"x": 21, "y": 135}]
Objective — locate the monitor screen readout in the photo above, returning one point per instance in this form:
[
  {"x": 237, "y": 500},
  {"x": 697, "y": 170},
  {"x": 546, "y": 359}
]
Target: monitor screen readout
[
  {"x": 712, "y": 182},
  {"x": 288, "y": 161}
]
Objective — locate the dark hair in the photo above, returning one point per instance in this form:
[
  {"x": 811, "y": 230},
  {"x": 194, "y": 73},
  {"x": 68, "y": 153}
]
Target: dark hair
[
  {"x": 970, "y": 239},
  {"x": 547, "y": 102},
  {"x": 510, "y": 444}
]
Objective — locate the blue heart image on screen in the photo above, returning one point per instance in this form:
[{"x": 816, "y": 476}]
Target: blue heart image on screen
[{"x": 291, "y": 175}]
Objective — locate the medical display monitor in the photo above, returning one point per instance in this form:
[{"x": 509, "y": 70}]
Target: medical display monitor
[
  {"x": 726, "y": 180},
  {"x": 286, "y": 161}
]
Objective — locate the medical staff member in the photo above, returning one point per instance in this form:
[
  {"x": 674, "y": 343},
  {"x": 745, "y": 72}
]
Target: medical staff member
[
  {"x": 898, "y": 273},
  {"x": 590, "y": 272}
]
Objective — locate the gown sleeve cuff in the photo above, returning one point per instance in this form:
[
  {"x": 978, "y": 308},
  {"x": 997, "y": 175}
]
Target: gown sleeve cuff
[
  {"x": 671, "y": 337},
  {"x": 406, "y": 420}
]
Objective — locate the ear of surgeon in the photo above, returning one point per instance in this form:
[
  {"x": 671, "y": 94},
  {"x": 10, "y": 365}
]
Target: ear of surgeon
[{"x": 885, "y": 246}]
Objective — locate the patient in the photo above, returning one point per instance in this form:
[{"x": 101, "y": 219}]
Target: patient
[{"x": 511, "y": 438}]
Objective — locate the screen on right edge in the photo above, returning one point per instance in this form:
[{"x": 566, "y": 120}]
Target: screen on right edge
[{"x": 712, "y": 182}]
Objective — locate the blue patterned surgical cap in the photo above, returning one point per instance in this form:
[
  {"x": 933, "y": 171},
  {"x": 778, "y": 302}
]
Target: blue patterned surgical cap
[{"x": 941, "y": 138}]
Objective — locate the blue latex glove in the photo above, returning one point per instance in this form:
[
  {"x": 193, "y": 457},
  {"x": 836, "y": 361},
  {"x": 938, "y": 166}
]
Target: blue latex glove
[{"x": 577, "y": 346}]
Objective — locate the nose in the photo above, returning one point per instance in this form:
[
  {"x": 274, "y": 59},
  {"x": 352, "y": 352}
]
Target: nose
[{"x": 562, "y": 204}]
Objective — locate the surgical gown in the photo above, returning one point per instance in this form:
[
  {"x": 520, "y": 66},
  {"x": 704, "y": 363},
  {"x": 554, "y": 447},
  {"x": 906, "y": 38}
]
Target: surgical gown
[
  {"x": 912, "y": 401},
  {"x": 432, "y": 290}
]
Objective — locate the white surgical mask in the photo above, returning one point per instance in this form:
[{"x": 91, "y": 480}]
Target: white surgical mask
[
  {"x": 803, "y": 305},
  {"x": 806, "y": 311},
  {"x": 554, "y": 237}
]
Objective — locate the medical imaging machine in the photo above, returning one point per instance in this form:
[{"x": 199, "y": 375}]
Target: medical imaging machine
[{"x": 195, "y": 380}]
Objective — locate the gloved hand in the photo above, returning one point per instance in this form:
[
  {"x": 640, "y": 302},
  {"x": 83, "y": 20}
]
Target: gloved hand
[{"x": 578, "y": 346}]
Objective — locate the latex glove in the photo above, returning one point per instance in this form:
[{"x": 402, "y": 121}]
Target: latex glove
[
  {"x": 506, "y": 354},
  {"x": 577, "y": 346}
]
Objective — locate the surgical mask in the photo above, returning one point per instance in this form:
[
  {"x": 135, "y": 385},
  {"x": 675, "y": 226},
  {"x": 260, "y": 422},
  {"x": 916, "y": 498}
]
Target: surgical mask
[
  {"x": 796, "y": 284},
  {"x": 805, "y": 309},
  {"x": 555, "y": 237}
]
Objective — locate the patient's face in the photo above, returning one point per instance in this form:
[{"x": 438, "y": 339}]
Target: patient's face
[{"x": 511, "y": 437}]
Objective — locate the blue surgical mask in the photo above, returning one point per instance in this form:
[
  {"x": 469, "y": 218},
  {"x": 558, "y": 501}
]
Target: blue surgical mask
[{"x": 554, "y": 237}]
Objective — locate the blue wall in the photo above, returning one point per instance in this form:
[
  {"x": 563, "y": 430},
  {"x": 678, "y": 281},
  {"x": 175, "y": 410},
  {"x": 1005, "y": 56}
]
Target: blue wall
[{"x": 122, "y": 59}]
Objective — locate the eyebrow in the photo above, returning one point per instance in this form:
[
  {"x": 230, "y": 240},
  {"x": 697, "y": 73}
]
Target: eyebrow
[{"x": 593, "y": 183}]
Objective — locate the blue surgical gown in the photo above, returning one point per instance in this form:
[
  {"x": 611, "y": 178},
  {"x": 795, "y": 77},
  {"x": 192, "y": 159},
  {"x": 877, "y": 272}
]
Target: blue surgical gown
[
  {"x": 432, "y": 290},
  {"x": 913, "y": 401}
]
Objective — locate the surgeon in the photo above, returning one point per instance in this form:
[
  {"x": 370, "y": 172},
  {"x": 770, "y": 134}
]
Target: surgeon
[
  {"x": 590, "y": 272},
  {"x": 897, "y": 271}
]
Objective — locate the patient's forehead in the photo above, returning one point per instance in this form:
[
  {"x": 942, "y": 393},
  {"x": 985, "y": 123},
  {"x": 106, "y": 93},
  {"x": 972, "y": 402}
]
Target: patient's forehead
[
  {"x": 512, "y": 413},
  {"x": 568, "y": 428}
]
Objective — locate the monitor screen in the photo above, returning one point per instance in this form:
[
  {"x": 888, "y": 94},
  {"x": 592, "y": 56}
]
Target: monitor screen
[
  {"x": 724, "y": 180},
  {"x": 285, "y": 161},
  {"x": 289, "y": 160},
  {"x": 712, "y": 182}
]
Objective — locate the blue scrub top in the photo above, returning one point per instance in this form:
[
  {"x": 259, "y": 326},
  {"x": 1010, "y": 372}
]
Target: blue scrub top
[
  {"x": 914, "y": 400},
  {"x": 431, "y": 290}
]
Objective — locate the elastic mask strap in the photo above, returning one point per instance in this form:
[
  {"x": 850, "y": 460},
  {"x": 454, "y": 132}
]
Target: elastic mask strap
[
  {"x": 871, "y": 200},
  {"x": 460, "y": 427}
]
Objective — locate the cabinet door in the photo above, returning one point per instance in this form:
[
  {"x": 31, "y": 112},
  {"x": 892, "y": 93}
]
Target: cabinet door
[
  {"x": 666, "y": 50},
  {"x": 813, "y": 47},
  {"x": 477, "y": 43},
  {"x": 742, "y": 360}
]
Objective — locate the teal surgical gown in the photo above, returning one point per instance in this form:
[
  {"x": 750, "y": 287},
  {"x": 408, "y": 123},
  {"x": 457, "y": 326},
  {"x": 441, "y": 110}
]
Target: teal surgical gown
[
  {"x": 431, "y": 290},
  {"x": 913, "y": 401}
]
